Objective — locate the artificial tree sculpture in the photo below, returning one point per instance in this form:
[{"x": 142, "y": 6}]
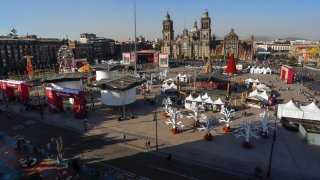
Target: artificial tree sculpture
[
  {"x": 167, "y": 103},
  {"x": 228, "y": 114},
  {"x": 174, "y": 114},
  {"x": 264, "y": 123},
  {"x": 207, "y": 125},
  {"x": 247, "y": 129},
  {"x": 197, "y": 111}
]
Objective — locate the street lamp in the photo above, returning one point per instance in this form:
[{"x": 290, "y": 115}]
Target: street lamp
[
  {"x": 155, "y": 119},
  {"x": 123, "y": 105},
  {"x": 135, "y": 40}
]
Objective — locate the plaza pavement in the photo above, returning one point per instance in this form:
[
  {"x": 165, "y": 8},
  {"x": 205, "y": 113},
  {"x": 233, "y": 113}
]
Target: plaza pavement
[{"x": 292, "y": 158}]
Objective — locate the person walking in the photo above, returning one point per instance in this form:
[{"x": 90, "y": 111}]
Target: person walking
[
  {"x": 124, "y": 138},
  {"x": 149, "y": 144},
  {"x": 146, "y": 144}
]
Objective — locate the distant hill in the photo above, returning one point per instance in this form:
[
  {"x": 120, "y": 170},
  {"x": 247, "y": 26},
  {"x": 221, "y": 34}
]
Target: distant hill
[{"x": 294, "y": 38}]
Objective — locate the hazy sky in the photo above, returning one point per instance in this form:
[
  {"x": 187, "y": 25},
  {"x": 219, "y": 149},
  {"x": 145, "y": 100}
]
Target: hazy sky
[{"x": 114, "y": 18}]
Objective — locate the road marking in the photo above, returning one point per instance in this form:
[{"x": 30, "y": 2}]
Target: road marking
[{"x": 172, "y": 172}]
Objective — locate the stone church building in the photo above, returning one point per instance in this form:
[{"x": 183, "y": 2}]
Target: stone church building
[{"x": 199, "y": 43}]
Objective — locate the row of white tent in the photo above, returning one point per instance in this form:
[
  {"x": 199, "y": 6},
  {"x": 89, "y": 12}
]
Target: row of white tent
[
  {"x": 182, "y": 78},
  {"x": 169, "y": 87},
  {"x": 290, "y": 110},
  {"x": 258, "y": 70},
  {"x": 191, "y": 101}
]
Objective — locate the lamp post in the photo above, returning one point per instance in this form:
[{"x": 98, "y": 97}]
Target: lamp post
[
  {"x": 155, "y": 119},
  {"x": 135, "y": 40},
  {"x": 122, "y": 98}
]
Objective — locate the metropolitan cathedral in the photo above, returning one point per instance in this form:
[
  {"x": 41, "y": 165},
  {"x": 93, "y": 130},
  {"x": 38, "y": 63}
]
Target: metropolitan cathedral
[{"x": 198, "y": 43}]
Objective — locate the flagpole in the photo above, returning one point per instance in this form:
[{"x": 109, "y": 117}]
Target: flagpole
[{"x": 135, "y": 40}]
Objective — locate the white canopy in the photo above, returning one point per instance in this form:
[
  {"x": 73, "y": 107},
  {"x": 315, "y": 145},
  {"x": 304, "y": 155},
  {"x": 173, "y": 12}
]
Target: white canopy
[
  {"x": 168, "y": 80},
  {"x": 198, "y": 99},
  {"x": 253, "y": 93},
  {"x": 311, "y": 112},
  {"x": 167, "y": 87},
  {"x": 205, "y": 96},
  {"x": 249, "y": 80},
  {"x": 289, "y": 110},
  {"x": 263, "y": 87},
  {"x": 182, "y": 78},
  {"x": 189, "y": 98},
  {"x": 209, "y": 101},
  {"x": 268, "y": 70},
  {"x": 218, "y": 102},
  {"x": 264, "y": 95}
]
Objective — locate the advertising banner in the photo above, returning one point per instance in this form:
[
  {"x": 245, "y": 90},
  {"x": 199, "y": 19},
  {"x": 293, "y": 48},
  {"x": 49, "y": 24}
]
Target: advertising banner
[
  {"x": 163, "y": 60},
  {"x": 156, "y": 58},
  {"x": 126, "y": 58}
]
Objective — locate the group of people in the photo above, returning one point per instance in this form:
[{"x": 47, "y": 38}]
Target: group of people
[{"x": 309, "y": 97}]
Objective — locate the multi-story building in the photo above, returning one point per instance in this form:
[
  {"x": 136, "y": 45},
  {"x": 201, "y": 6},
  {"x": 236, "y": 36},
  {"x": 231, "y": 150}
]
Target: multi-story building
[
  {"x": 82, "y": 50},
  {"x": 305, "y": 52},
  {"x": 103, "y": 48},
  {"x": 14, "y": 48}
]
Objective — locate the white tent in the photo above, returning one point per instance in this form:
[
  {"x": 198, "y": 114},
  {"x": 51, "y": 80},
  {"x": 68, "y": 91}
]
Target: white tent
[
  {"x": 262, "y": 70},
  {"x": 252, "y": 70},
  {"x": 198, "y": 99},
  {"x": 264, "y": 95},
  {"x": 208, "y": 101},
  {"x": 218, "y": 102},
  {"x": 182, "y": 78},
  {"x": 311, "y": 112},
  {"x": 253, "y": 93},
  {"x": 263, "y": 87},
  {"x": 167, "y": 87},
  {"x": 268, "y": 70},
  {"x": 205, "y": 96},
  {"x": 189, "y": 98},
  {"x": 289, "y": 110},
  {"x": 170, "y": 80}
]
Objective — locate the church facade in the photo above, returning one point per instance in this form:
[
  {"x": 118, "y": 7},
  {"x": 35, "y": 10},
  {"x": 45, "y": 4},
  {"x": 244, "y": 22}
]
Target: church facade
[{"x": 199, "y": 43}]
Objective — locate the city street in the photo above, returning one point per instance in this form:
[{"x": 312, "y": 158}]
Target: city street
[{"x": 110, "y": 155}]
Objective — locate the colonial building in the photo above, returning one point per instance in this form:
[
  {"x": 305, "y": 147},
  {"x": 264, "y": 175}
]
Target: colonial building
[
  {"x": 242, "y": 49},
  {"x": 195, "y": 43},
  {"x": 199, "y": 43},
  {"x": 13, "y": 48}
]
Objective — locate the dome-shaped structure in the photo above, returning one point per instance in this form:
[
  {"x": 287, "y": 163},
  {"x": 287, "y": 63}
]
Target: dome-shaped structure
[{"x": 167, "y": 17}]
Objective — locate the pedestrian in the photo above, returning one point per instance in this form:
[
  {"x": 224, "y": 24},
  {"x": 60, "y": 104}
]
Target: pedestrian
[
  {"x": 146, "y": 144},
  {"x": 149, "y": 144},
  {"x": 124, "y": 138}
]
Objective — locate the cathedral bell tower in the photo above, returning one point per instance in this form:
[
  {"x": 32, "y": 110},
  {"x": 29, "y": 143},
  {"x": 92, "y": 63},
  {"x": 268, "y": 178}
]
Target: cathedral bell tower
[
  {"x": 167, "y": 34},
  {"x": 205, "y": 34}
]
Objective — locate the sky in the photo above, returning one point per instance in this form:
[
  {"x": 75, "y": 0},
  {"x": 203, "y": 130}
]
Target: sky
[{"x": 115, "y": 18}]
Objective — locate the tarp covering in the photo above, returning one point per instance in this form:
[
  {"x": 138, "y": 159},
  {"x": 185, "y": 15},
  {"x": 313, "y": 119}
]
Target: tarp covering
[
  {"x": 64, "y": 77},
  {"x": 311, "y": 112},
  {"x": 289, "y": 110},
  {"x": 121, "y": 83}
]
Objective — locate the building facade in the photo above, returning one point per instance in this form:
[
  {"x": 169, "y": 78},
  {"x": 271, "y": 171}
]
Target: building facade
[
  {"x": 14, "y": 48},
  {"x": 195, "y": 43},
  {"x": 103, "y": 48}
]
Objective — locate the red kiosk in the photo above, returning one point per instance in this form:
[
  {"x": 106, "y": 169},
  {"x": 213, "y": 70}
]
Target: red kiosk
[
  {"x": 8, "y": 87},
  {"x": 287, "y": 73},
  {"x": 57, "y": 93}
]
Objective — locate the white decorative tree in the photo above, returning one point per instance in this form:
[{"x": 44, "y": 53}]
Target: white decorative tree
[
  {"x": 167, "y": 103},
  {"x": 247, "y": 129},
  {"x": 207, "y": 125},
  {"x": 174, "y": 114},
  {"x": 197, "y": 111},
  {"x": 264, "y": 119},
  {"x": 228, "y": 114}
]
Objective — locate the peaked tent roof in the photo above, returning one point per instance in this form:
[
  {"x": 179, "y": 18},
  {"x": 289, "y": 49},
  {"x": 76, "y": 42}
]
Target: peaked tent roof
[
  {"x": 198, "y": 99},
  {"x": 311, "y": 112},
  {"x": 289, "y": 110},
  {"x": 205, "y": 96},
  {"x": 208, "y": 101},
  {"x": 218, "y": 102},
  {"x": 189, "y": 98}
]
